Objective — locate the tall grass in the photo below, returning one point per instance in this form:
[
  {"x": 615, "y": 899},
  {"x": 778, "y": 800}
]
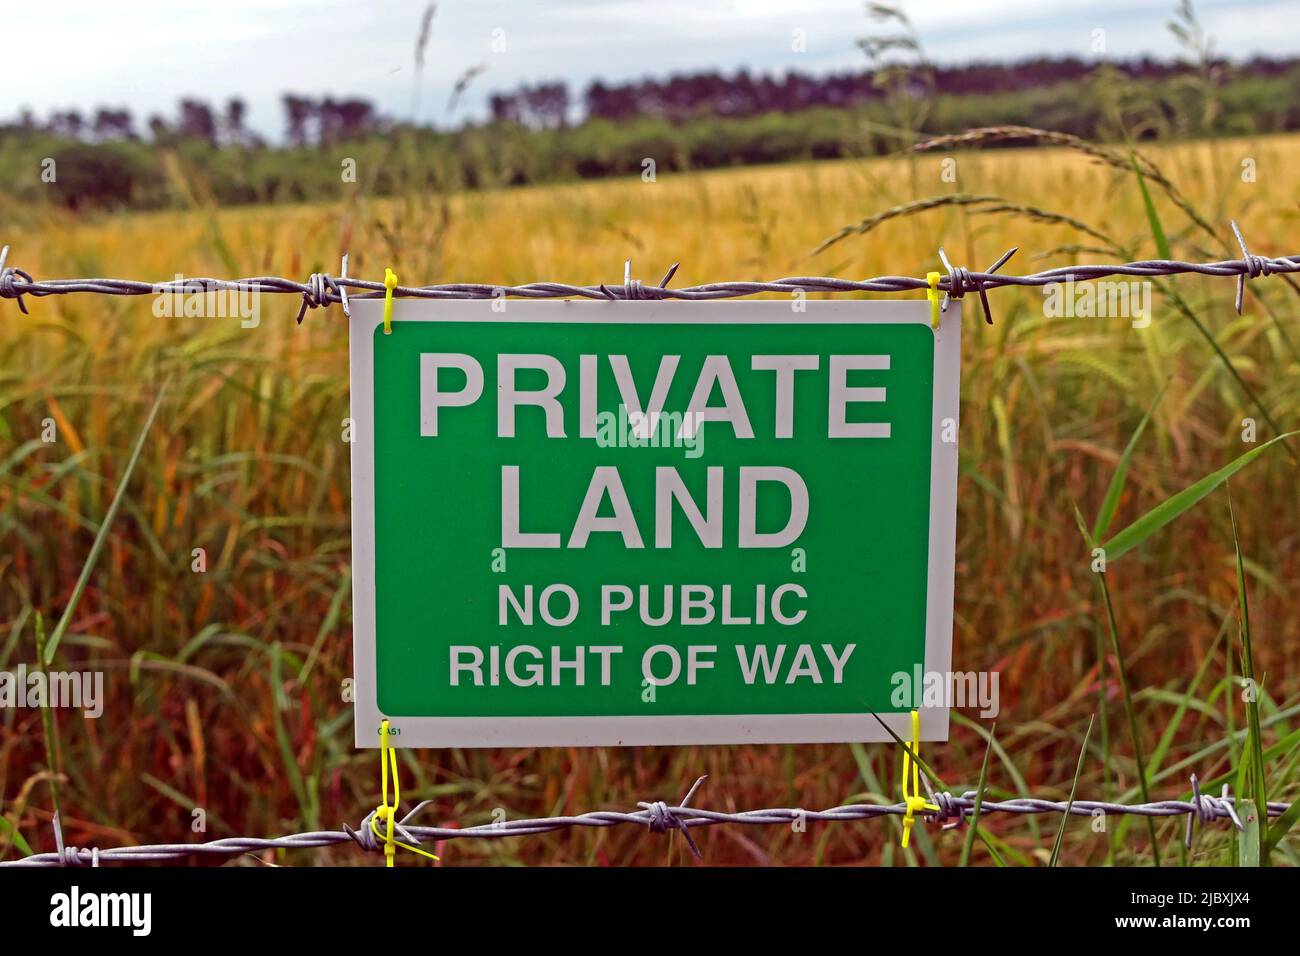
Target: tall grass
[{"x": 225, "y": 687}]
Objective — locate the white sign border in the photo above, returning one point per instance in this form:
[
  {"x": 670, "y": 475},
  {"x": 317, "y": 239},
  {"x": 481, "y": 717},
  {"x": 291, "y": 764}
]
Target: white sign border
[{"x": 599, "y": 731}]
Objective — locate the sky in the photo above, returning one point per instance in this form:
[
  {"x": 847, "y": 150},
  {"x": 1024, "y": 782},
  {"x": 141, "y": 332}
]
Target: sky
[{"x": 148, "y": 54}]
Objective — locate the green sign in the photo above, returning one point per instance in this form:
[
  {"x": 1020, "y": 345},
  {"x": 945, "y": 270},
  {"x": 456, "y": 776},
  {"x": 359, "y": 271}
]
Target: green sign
[{"x": 581, "y": 523}]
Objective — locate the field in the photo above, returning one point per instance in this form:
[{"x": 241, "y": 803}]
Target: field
[{"x": 223, "y": 688}]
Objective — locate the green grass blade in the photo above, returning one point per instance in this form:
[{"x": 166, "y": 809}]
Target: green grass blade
[
  {"x": 279, "y": 703},
  {"x": 49, "y": 728},
  {"x": 1254, "y": 839},
  {"x": 1184, "y": 702},
  {"x": 1153, "y": 218},
  {"x": 878, "y": 790},
  {"x": 1083, "y": 526},
  {"x": 969, "y": 842},
  {"x": 1111, "y": 501},
  {"x": 10, "y": 830},
  {"x": 1248, "y": 845},
  {"x": 1129, "y": 712},
  {"x": 991, "y": 844},
  {"x": 1074, "y": 787},
  {"x": 1281, "y": 826},
  {"x": 1169, "y": 509},
  {"x": 102, "y": 535},
  {"x": 186, "y": 803},
  {"x": 328, "y": 623}
]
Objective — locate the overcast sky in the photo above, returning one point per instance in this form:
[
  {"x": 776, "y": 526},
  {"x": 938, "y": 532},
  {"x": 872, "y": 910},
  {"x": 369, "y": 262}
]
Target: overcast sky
[{"x": 147, "y": 54}]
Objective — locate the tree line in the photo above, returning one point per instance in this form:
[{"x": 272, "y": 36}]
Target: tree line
[
  {"x": 694, "y": 95},
  {"x": 206, "y": 153},
  {"x": 308, "y": 122},
  {"x": 326, "y": 121}
]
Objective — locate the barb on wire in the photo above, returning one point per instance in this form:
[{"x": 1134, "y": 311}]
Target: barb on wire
[
  {"x": 322, "y": 289},
  {"x": 657, "y": 817},
  {"x": 959, "y": 281},
  {"x": 1255, "y": 265}
]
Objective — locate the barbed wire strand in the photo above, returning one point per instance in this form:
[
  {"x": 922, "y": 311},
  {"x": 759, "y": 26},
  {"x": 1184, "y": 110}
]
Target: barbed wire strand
[
  {"x": 322, "y": 289},
  {"x": 657, "y": 817}
]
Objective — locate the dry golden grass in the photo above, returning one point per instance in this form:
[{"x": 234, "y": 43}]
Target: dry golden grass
[{"x": 224, "y": 687}]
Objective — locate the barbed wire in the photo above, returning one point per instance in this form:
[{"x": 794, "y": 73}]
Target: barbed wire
[
  {"x": 322, "y": 289},
  {"x": 657, "y": 817}
]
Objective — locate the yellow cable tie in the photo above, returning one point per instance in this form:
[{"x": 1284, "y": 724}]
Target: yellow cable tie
[
  {"x": 388, "y": 811},
  {"x": 915, "y": 804},
  {"x": 389, "y": 842},
  {"x": 390, "y": 281},
  {"x": 933, "y": 294}
]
